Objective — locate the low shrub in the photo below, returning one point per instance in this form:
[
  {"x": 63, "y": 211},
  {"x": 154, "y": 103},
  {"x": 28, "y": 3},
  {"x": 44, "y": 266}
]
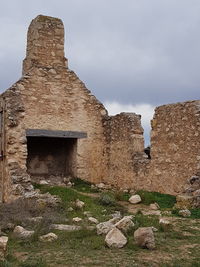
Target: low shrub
[{"x": 107, "y": 200}]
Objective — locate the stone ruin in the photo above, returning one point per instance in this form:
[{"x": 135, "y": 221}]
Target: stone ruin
[{"x": 52, "y": 127}]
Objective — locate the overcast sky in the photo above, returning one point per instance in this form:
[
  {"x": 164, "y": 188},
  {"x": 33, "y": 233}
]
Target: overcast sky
[{"x": 132, "y": 54}]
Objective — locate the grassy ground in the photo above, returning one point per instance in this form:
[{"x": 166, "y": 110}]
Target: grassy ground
[{"x": 177, "y": 247}]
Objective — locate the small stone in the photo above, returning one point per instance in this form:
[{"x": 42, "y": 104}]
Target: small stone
[
  {"x": 93, "y": 220},
  {"x": 125, "y": 223},
  {"x": 69, "y": 184},
  {"x": 115, "y": 239},
  {"x": 154, "y": 229},
  {"x": 70, "y": 209},
  {"x": 87, "y": 213},
  {"x": 48, "y": 237},
  {"x": 79, "y": 204},
  {"x": 167, "y": 212},
  {"x": 77, "y": 219},
  {"x": 144, "y": 237},
  {"x": 135, "y": 199},
  {"x": 117, "y": 214},
  {"x": 3, "y": 246},
  {"x": 125, "y": 191},
  {"x": 101, "y": 186},
  {"x": 184, "y": 213},
  {"x": 154, "y": 206},
  {"x": 43, "y": 182},
  {"x": 165, "y": 224}
]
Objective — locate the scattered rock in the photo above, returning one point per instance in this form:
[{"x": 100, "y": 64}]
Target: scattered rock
[
  {"x": 117, "y": 214},
  {"x": 115, "y": 239},
  {"x": 165, "y": 224},
  {"x": 70, "y": 209},
  {"x": 87, "y": 213},
  {"x": 167, "y": 212},
  {"x": 22, "y": 233},
  {"x": 3, "y": 246},
  {"x": 125, "y": 191},
  {"x": 43, "y": 182},
  {"x": 135, "y": 199},
  {"x": 35, "y": 219},
  {"x": 154, "y": 206},
  {"x": 69, "y": 184},
  {"x": 104, "y": 227},
  {"x": 77, "y": 219},
  {"x": 125, "y": 223},
  {"x": 93, "y": 220},
  {"x": 151, "y": 212},
  {"x": 154, "y": 229},
  {"x": 101, "y": 186},
  {"x": 48, "y": 237},
  {"x": 65, "y": 227},
  {"x": 184, "y": 213},
  {"x": 144, "y": 237},
  {"x": 79, "y": 204}
]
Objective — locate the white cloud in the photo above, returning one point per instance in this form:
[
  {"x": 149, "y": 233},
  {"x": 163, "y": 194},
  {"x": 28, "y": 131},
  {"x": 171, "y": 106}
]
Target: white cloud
[{"x": 144, "y": 109}]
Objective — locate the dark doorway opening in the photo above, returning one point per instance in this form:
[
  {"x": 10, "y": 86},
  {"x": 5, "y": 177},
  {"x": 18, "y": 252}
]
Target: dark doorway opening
[{"x": 50, "y": 156}]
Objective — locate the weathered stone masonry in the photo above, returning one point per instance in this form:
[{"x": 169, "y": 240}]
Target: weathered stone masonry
[{"x": 51, "y": 125}]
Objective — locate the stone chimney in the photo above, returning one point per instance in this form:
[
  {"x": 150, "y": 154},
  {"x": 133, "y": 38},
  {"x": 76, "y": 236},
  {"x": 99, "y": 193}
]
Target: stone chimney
[{"x": 45, "y": 44}]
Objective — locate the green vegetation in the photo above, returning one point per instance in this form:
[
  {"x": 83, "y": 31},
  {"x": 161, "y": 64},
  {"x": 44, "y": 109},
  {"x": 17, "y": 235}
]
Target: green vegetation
[
  {"x": 83, "y": 186},
  {"x": 165, "y": 201},
  {"x": 195, "y": 213},
  {"x": 177, "y": 247}
]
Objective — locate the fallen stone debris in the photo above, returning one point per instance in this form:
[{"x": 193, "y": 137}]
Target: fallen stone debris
[
  {"x": 144, "y": 237},
  {"x": 135, "y": 199},
  {"x": 50, "y": 237},
  {"x": 115, "y": 239},
  {"x": 21, "y": 233}
]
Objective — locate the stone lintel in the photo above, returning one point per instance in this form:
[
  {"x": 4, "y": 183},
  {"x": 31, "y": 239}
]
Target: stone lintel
[{"x": 55, "y": 134}]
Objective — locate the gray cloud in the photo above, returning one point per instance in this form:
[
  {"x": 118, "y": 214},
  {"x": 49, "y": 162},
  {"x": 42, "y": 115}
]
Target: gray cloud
[{"x": 127, "y": 51}]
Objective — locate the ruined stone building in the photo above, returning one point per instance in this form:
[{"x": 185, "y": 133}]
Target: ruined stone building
[{"x": 52, "y": 126}]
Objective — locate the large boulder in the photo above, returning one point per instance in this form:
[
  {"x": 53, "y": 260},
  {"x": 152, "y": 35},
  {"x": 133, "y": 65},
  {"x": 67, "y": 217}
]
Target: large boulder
[
  {"x": 115, "y": 239},
  {"x": 125, "y": 223},
  {"x": 135, "y": 199},
  {"x": 144, "y": 237},
  {"x": 3, "y": 246},
  {"x": 22, "y": 233}
]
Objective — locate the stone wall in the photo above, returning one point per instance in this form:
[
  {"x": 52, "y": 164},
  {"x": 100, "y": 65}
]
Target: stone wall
[
  {"x": 125, "y": 148},
  {"x": 175, "y": 146}
]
